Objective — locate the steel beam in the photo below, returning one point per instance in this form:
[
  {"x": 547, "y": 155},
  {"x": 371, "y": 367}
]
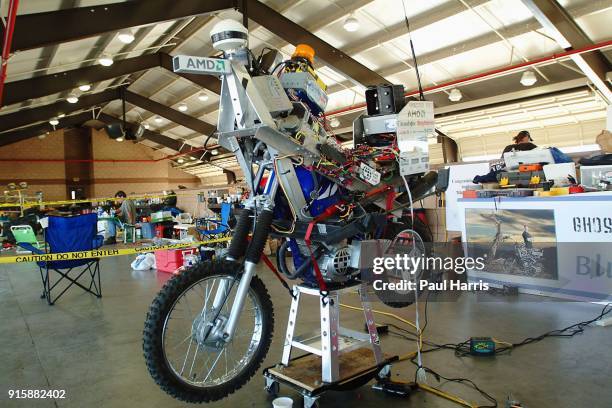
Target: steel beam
[
  {"x": 173, "y": 115},
  {"x": 29, "y": 132},
  {"x": 46, "y": 112},
  {"x": 158, "y": 138},
  {"x": 295, "y": 34},
  {"x": 483, "y": 40},
  {"x": 36, "y": 87},
  {"x": 563, "y": 28},
  {"x": 44, "y": 29}
]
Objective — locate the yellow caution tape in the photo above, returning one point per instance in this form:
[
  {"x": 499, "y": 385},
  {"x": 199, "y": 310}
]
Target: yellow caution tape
[
  {"x": 103, "y": 253},
  {"x": 86, "y": 200}
]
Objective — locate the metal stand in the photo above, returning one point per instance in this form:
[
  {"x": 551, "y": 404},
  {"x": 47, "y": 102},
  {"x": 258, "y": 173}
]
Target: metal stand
[{"x": 337, "y": 357}]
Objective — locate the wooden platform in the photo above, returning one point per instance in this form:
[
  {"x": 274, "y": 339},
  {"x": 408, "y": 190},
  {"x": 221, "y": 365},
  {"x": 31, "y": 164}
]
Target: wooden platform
[{"x": 305, "y": 372}]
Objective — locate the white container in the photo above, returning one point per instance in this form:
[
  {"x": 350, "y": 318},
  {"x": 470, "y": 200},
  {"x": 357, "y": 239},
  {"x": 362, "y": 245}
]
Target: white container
[
  {"x": 559, "y": 173},
  {"x": 282, "y": 402},
  {"x": 590, "y": 176}
]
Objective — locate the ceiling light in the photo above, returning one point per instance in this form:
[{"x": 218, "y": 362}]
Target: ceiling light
[
  {"x": 72, "y": 98},
  {"x": 54, "y": 122},
  {"x": 158, "y": 119},
  {"x": 182, "y": 107},
  {"x": 334, "y": 123},
  {"x": 529, "y": 78},
  {"x": 119, "y": 139},
  {"x": 181, "y": 160},
  {"x": 192, "y": 158},
  {"x": 145, "y": 125},
  {"x": 106, "y": 60},
  {"x": 455, "y": 95},
  {"x": 126, "y": 36},
  {"x": 351, "y": 24},
  {"x": 84, "y": 88},
  {"x": 203, "y": 97},
  {"x": 214, "y": 152}
]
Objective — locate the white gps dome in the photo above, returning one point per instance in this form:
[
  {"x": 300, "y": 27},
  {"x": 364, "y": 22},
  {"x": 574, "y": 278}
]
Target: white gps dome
[{"x": 229, "y": 35}]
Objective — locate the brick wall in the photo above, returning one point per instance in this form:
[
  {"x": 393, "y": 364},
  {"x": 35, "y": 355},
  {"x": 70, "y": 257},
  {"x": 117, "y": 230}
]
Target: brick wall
[
  {"x": 108, "y": 177},
  {"x": 48, "y": 177}
]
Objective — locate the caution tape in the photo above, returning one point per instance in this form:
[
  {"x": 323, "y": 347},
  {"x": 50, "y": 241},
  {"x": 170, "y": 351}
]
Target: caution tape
[
  {"x": 103, "y": 253},
  {"x": 85, "y": 200}
]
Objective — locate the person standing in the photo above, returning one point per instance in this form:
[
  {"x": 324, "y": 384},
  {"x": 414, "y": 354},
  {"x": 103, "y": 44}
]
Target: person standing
[
  {"x": 522, "y": 141},
  {"x": 127, "y": 209}
]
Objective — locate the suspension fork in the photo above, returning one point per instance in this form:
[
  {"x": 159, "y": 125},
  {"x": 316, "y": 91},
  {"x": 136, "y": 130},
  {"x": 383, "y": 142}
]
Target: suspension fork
[
  {"x": 252, "y": 253},
  {"x": 252, "y": 257}
]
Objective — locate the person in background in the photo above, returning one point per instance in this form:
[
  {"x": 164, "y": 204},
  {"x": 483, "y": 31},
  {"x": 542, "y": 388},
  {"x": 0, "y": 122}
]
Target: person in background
[
  {"x": 170, "y": 204},
  {"x": 127, "y": 210},
  {"x": 522, "y": 142}
]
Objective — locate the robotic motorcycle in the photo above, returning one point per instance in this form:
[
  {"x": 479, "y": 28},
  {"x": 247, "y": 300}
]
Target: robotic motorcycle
[{"x": 209, "y": 328}]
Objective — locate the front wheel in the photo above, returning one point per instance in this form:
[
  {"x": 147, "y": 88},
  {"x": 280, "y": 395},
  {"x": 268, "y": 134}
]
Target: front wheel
[{"x": 183, "y": 342}]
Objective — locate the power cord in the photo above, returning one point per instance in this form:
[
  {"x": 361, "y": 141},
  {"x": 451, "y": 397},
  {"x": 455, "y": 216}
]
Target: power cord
[{"x": 463, "y": 349}]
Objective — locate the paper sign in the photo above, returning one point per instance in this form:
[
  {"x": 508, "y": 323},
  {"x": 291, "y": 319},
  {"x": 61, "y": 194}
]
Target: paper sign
[{"x": 415, "y": 123}]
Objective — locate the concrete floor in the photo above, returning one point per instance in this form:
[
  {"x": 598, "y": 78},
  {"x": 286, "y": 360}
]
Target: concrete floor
[{"x": 92, "y": 347}]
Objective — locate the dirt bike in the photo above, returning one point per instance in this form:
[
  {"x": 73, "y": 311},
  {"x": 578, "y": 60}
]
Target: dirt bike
[{"x": 210, "y": 327}]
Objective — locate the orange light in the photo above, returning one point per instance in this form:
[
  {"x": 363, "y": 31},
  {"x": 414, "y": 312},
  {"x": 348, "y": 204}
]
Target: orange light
[{"x": 304, "y": 51}]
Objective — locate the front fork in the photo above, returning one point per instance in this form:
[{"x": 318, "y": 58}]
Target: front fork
[{"x": 252, "y": 254}]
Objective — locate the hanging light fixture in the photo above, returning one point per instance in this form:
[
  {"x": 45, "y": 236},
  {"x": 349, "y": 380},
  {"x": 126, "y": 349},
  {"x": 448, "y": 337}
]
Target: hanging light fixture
[
  {"x": 203, "y": 97},
  {"x": 455, "y": 95},
  {"x": 181, "y": 160},
  {"x": 182, "y": 107},
  {"x": 84, "y": 87},
  {"x": 351, "y": 24},
  {"x": 529, "y": 78},
  {"x": 106, "y": 60},
  {"x": 126, "y": 36},
  {"x": 72, "y": 98},
  {"x": 54, "y": 122},
  {"x": 158, "y": 119},
  {"x": 334, "y": 123},
  {"x": 119, "y": 139},
  {"x": 214, "y": 152}
]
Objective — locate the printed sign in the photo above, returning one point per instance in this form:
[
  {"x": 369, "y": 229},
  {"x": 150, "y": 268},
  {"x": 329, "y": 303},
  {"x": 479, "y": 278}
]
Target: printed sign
[
  {"x": 415, "y": 123},
  {"x": 200, "y": 65}
]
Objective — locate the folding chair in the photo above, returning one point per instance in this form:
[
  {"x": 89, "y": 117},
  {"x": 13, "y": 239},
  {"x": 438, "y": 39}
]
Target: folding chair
[
  {"x": 70, "y": 234},
  {"x": 222, "y": 225},
  {"x": 25, "y": 234}
]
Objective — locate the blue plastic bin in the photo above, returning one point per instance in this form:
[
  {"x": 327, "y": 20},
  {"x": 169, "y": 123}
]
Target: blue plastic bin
[{"x": 147, "y": 230}]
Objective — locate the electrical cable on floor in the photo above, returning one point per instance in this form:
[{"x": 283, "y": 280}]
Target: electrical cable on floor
[
  {"x": 569, "y": 331},
  {"x": 463, "y": 349}
]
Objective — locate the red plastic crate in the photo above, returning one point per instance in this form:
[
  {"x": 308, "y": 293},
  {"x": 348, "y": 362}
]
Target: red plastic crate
[{"x": 169, "y": 260}]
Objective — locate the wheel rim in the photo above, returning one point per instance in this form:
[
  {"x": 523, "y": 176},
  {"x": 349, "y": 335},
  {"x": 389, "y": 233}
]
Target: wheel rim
[{"x": 193, "y": 350}]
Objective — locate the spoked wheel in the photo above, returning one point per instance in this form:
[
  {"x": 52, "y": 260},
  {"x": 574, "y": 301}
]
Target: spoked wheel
[{"x": 183, "y": 342}]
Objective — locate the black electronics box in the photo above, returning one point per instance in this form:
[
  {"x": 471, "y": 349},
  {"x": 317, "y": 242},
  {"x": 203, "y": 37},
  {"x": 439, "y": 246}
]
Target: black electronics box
[{"x": 384, "y": 99}]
